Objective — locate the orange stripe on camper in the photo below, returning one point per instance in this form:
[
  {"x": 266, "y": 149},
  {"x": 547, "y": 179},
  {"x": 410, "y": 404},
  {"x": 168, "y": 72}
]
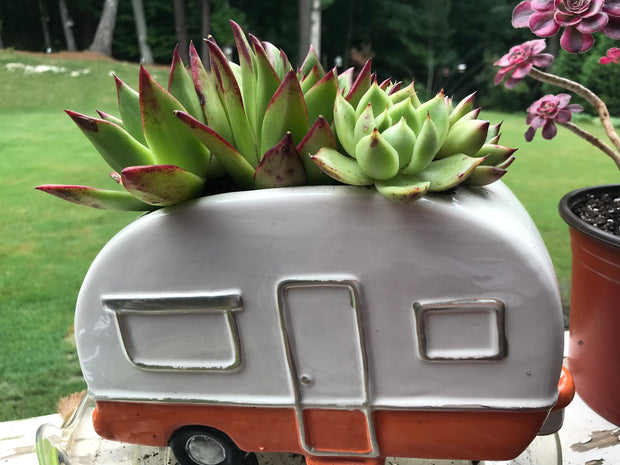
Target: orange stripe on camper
[{"x": 439, "y": 434}]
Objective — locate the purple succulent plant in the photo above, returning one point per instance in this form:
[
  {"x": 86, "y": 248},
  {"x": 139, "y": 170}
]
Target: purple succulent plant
[
  {"x": 518, "y": 62},
  {"x": 613, "y": 56},
  {"x": 548, "y": 110},
  {"x": 580, "y": 18}
]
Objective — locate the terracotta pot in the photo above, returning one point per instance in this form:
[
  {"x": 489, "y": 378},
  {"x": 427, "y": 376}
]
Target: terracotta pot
[{"x": 594, "y": 348}]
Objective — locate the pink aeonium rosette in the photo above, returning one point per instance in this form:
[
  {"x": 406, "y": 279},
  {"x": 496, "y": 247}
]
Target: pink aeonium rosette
[
  {"x": 548, "y": 110},
  {"x": 613, "y": 56},
  {"x": 518, "y": 62},
  {"x": 579, "y": 18}
]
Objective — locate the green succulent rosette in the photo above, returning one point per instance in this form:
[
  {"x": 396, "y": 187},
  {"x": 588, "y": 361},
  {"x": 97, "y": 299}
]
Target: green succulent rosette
[{"x": 406, "y": 148}]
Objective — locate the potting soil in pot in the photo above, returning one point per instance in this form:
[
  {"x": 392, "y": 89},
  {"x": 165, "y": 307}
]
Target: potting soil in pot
[{"x": 602, "y": 212}]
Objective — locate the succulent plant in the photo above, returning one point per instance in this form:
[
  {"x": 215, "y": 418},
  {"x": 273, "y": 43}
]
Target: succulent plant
[
  {"x": 248, "y": 122},
  {"x": 261, "y": 124},
  {"x": 407, "y": 148}
]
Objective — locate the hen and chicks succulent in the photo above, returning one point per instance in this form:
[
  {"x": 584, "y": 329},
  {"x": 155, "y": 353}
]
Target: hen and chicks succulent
[{"x": 261, "y": 124}]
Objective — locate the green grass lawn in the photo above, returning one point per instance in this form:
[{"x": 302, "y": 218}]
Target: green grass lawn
[
  {"x": 544, "y": 171},
  {"x": 47, "y": 245}
]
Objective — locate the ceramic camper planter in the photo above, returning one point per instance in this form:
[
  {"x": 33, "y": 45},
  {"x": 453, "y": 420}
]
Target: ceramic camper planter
[
  {"x": 326, "y": 321},
  {"x": 594, "y": 349}
]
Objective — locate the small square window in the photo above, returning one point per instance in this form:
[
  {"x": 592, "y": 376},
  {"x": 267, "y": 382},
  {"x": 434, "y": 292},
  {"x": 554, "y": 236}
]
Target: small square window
[{"x": 461, "y": 330}]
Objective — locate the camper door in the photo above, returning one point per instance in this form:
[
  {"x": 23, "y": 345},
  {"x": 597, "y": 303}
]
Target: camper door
[{"x": 323, "y": 335}]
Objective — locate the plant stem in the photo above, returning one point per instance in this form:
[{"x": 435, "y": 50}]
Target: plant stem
[
  {"x": 593, "y": 140},
  {"x": 592, "y": 99}
]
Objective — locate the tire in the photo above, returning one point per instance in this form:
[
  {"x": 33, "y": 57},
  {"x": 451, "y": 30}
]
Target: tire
[{"x": 200, "y": 445}]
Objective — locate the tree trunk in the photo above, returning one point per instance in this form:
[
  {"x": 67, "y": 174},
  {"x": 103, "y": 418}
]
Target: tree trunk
[
  {"x": 146, "y": 56},
  {"x": 430, "y": 69},
  {"x": 205, "y": 14},
  {"x": 102, "y": 43},
  {"x": 67, "y": 24},
  {"x": 349, "y": 35},
  {"x": 309, "y": 27},
  {"x": 46, "y": 31},
  {"x": 181, "y": 29}
]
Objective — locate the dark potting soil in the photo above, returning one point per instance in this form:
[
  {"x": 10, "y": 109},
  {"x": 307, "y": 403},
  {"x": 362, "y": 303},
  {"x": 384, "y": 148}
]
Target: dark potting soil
[{"x": 602, "y": 212}]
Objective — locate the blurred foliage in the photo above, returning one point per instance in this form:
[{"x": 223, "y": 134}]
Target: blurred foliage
[
  {"x": 586, "y": 69},
  {"x": 444, "y": 44}
]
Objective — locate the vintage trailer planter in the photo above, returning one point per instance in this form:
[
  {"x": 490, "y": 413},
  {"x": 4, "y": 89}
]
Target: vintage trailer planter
[
  {"x": 327, "y": 321},
  {"x": 594, "y": 347}
]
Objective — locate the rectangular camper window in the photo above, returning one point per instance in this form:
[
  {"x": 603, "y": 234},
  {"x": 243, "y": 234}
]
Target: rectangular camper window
[
  {"x": 179, "y": 332},
  {"x": 460, "y": 330}
]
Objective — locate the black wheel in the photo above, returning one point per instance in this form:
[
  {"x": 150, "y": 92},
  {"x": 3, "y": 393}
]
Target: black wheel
[{"x": 199, "y": 445}]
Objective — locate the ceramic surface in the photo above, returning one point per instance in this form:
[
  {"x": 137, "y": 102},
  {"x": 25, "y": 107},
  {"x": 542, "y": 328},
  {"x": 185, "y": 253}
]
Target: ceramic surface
[{"x": 327, "y": 298}]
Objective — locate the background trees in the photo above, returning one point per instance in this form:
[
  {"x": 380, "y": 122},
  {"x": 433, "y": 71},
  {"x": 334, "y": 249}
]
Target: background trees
[
  {"x": 443, "y": 44},
  {"x": 104, "y": 35}
]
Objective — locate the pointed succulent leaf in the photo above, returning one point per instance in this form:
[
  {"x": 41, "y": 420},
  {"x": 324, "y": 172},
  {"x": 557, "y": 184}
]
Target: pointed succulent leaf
[
  {"x": 376, "y": 97},
  {"x": 472, "y": 115},
  {"x": 236, "y": 71},
  {"x": 449, "y": 172},
  {"x": 438, "y": 111},
  {"x": 110, "y": 118},
  {"x": 494, "y": 154},
  {"x": 426, "y": 147},
  {"x": 406, "y": 109},
  {"x": 267, "y": 82},
  {"x": 483, "y": 175},
  {"x": 309, "y": 79},
  {"x": 161, "y": 185},
  {"x": 462, "y": 108},
  {"x": 360, "y": 86},
  {"x": 206, "y": 89},
  {"x": 129, "y": 109},
  {"x": 115, "y": 145},
  {"x": 377, "y": 157},
  {"x": 170, "y": 141},
  {"x": 181, "y": 86},
  {"x": 248, "y": 76},
  {"x": 404, "y": 93},
  {"x": 234, "y": 163},
  {"x": 364, "y": 125},
  {"x": 383, "y": 120},
  {"x": 311, "y": 61},
  {"x": 320, "y": 135},
  {"x": 505, "y": 164},
  {"x": 385, "y": 84},
  {"x": 345, "y": 81},
  {"x": 403, "y": 188},
  {"x": 493, "y": 135},
  {"x": 233, "y": 102},
  {"x": 466, "y": 137},
  {"x": 278, "y": 60},
  {"x": 394, "y": 88},
  {"x": 341, "y": 168},
  {"x": 285, "y": 63},
  {"x": 281, "y": 166},
  {"x": 493, "y": 140},
  {"x": 286, "y": 113},
  {"x": 320, "y": 99},
  {"x": 96, "y": 198},
  {"x": 402, "y": 138},
  {"x": 449, "y": 101},
  {"x": 344, "y": 123}
]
